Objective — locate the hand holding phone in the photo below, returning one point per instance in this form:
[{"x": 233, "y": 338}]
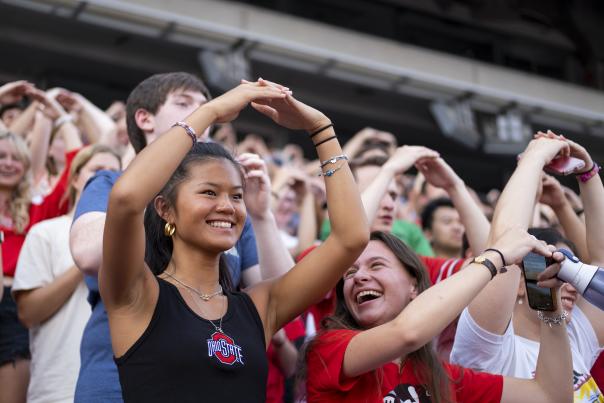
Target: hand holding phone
[
  {"x": 539, "y": 298},
  {"x": 564, "y": 166}
]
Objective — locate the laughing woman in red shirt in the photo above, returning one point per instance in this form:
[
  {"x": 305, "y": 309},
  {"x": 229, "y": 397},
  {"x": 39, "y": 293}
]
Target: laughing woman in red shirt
[{"x": 377, "y": 344}]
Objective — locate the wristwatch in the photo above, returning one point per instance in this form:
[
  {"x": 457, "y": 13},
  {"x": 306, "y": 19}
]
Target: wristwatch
[{"x": 486, "y": 263}]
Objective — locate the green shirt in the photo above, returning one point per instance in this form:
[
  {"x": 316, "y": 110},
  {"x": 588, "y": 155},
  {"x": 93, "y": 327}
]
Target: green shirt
[{"x": 406, "y": 231}]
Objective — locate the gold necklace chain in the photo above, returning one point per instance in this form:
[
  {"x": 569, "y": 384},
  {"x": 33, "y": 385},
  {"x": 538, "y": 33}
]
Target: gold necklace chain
[
  {"x": 219, "y": 327},
  {"x": 205, "y": 297}
]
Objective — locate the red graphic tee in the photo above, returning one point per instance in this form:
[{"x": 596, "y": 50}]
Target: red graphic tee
[{"x": 326, "y": 383}]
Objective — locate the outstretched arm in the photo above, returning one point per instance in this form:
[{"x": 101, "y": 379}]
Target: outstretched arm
[
  {"x": 514, "y": 209},
  {"x": 318, "y": 272},
  {"x": 441, "y": 303},
  {"x": 439, "y": 174}
]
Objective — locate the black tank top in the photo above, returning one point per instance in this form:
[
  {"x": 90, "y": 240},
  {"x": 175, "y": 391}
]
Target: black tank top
[{"x": 182, "y": 358}]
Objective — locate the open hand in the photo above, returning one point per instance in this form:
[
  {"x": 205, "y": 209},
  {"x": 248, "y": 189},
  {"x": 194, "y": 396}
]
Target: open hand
[
  {"x": 13, "y": 92},
  {"x": 438, "y": 173},
  {"x": 406, "y": 156}
]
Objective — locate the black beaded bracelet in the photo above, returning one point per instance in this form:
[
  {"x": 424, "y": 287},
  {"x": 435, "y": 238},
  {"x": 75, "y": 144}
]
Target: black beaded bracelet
[
  {"x": 326, "y": 140},
  {"x": 313, "y": 134}
]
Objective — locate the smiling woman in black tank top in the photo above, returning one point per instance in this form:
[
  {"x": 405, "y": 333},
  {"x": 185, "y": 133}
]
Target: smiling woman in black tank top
[{"x": 179, "y": 333}]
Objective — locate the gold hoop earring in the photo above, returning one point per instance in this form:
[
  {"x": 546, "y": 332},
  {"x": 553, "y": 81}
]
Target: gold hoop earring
[{"x": 169, "y": 229}]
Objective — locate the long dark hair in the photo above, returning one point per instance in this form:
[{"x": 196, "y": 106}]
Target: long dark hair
[
  {"x": 158, "y": 246},
  {"x": 427, "y": 368}
]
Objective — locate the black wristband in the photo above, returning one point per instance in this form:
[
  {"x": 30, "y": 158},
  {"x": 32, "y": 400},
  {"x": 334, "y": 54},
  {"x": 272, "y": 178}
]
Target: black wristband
[
  {"x": 313, "y": 134},
  {"x": 486, "y": 263},
  {"x": 500, "y": 255},
  {"x": 326, "y": 140}
]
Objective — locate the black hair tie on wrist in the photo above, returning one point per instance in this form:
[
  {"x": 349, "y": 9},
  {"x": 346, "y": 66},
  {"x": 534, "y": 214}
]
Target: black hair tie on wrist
[
  {"x": 313, "y": 134},
  {"x": 500, "y": 255},
  {"x": 326, "y": 140}
]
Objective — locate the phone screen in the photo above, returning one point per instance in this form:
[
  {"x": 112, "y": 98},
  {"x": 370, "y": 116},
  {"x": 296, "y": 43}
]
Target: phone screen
[{"x": 539, "y": 298}]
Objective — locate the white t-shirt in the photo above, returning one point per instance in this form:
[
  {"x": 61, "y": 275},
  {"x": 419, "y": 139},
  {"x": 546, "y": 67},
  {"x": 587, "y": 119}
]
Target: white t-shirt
[
  {"x": 512, "y": 355},
  {"x": 55, "y": 344}
]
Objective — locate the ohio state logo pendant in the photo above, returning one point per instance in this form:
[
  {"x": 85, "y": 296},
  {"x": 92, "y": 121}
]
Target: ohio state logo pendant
[{"x": 224, "y": 349}]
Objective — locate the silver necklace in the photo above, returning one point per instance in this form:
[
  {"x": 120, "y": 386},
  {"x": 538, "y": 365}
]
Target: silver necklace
[
  {"x": 217, "y": 328},
  {"x": 205, "y": 297}
]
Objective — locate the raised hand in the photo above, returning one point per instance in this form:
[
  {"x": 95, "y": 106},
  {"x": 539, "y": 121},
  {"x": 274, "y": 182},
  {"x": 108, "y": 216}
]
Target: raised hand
[
  {"x": 576, "y": 150},
  {"x": 257, "y": 195},
  {"x": 48, "y": 104},
  {"x": 406, "y": 156},
  {"x": 516, "y": 243},
  {"x": 227, "y": 106},
  {"x": 438, "y": 173},
  {"x": 289, "y": 176},
  {"x": 69, "y": 100},
  {"x": 552, "y": 193},
  {"x": 13, "y": 92},
  {"x": 545, "y": 149},
  {"x": 289, "y": 112}
]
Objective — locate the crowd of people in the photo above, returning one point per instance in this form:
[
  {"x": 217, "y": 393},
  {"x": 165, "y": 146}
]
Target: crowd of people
[{"x": 150, "y": 254}]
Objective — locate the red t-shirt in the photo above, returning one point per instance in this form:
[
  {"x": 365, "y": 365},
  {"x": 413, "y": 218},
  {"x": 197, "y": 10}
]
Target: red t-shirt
[
  {"x": 49, "y": 207},
  {"x": 326, "y": 383},
  {"x": 275, "y": 382},
  {"x": 597, "y": 371}
]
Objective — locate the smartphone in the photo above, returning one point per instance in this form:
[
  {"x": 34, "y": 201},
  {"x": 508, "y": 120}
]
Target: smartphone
[
  {"x": 540, "y": 299},
  {"x": 564, "y": 165}
]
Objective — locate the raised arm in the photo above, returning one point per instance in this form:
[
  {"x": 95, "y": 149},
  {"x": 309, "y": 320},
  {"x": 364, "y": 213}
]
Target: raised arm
[
  {"x": 274, "y": 258},
  {"x": 22, "y": 124},
  {"x": 442, "y": 302},
  {"x": 514, "y": 209},
  {"x": 592, "y": 195},
  {"x": 439, "y": 174},
  {"x": 318, "y": 272},
  {"x": 123, "y": 277},
  {"x": 403, "y": 158},
  {"x": 95, "y": 123},
  {"x": 574, "y": 228},
  {"x": 554, "y": 363}
]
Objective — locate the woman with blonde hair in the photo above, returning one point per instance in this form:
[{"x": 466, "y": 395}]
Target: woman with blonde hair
[
  {"x": 50, "y": 291},
  {"x": 18, "y": 213}
]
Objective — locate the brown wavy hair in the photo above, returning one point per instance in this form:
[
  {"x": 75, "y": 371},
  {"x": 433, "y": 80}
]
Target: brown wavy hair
[
  {"x": 21, "y": 196},
  {"x": 427, "y": 367}
]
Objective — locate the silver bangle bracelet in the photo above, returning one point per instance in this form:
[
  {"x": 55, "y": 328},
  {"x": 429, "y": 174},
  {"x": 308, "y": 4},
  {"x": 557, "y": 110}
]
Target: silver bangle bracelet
[
  {"x": 334, "y": 159},
  {"x": 551, "y": 321}
]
